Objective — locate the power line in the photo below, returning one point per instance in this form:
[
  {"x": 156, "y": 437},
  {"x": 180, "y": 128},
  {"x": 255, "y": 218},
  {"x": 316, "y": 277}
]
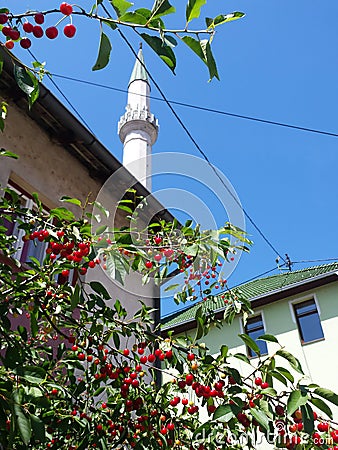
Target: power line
[
  {"x": 203, "y": 108},
  {"x": 198, "y": 147}
]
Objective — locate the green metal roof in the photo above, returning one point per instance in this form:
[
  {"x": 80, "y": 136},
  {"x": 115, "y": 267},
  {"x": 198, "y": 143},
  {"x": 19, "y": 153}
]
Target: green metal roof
[
  {"x": 252, "y": 290},
  {"x": 139, "y": 71}
]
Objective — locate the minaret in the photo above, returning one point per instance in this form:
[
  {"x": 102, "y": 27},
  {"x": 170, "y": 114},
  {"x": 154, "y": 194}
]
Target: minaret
[{"x": 138, "y": 128}]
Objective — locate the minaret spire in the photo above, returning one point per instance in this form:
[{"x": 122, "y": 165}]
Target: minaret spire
[{"x": 138, "y": 127}]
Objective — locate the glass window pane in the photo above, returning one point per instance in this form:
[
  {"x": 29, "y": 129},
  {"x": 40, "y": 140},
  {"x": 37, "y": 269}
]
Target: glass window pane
[
  {"x": 255, "y": 328},
  {"x": 310, "y": 328},
  {"x": 306, "y": 307}
]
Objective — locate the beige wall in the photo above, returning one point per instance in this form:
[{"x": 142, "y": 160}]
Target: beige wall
[{"x": 50, "y": 170}]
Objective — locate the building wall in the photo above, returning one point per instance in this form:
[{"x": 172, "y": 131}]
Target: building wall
[
  {"x": 318, "y": 359},
  {"x": 47, "y": 168}
]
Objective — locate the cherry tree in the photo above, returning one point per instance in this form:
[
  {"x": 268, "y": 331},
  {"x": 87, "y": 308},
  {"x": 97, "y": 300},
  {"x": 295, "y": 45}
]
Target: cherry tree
[{"x": 78, "y": 374}]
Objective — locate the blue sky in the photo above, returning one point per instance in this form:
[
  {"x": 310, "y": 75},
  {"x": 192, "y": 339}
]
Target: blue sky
[{"x": 279, "y": 63}]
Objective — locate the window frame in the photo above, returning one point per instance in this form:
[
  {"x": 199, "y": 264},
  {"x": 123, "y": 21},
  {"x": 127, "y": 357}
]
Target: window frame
[
  {"x": 295, "y": 319},
  {"x": 250, "y": 352},
  {"x": 21, "y": 246}
]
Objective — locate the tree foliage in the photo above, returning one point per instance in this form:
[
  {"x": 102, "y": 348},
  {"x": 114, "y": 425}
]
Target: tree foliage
[{"x": 77, "y": 372}]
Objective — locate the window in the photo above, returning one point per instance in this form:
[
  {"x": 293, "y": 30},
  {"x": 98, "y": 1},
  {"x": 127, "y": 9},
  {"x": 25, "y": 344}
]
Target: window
[
  {"x": 24, "y": 249},
  {"x": 308, "y": 321},
  {"x": 255, "y": 328}
]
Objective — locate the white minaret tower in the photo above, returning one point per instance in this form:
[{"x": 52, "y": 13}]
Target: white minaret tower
[{"x": 138, "y": 128}]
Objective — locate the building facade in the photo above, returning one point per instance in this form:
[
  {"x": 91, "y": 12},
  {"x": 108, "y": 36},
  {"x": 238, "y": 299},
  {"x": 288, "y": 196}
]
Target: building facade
[
  {"x": 58, "y": 156},
  {"x": 299, "y": 308}
]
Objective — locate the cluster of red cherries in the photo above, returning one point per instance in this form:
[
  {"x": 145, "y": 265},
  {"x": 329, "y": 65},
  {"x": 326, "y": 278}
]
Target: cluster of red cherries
[
  {"x": 65, "y": 249},
  {"x": 13, "y": 34}
]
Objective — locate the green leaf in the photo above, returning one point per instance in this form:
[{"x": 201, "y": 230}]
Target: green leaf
[
  {"x": 62, "y": 214},
  {"x": 193, "y": 9},
  {"x": 278, "y": 376},
  {"x": 100, "y": 289},
  {"x": 242, "y": 357},
  {"x": 120, "y": 6},
  {"x": 250, "y": 343},
  {"x": 171, "y": 287},
  {"x": 100, "y": 230},
  {"x": 203, "y": 50},
  {"x": 285, "y": 373},
  {"x": 138, "y": 17},
  {"x": 223, "y": 413},
  {"x": 261, "y": 417},
  {"x": 104, "y": 52},
  {"x": 117, "y": 267},
  {"x": 38, "y": 428},
  {"x": 1, "y": 64},
  {"x": 307, "y": 418},
  {"x": 23, "y": 422},
  {"x": 320, "y": 404},
  {"x": 33, "y": 374},
  {"x": 4, "y": 152},
  {"x": 125, "y": 208},
  {"x": 296, "y": 399},
  {"x": 34, "y": 323},
  {"x": 268, "y": 338},
  {"x": 327, "y": 394},
  {"x": 209, "y": 58},
  {"x": 200, "y": 328},
  {"x": 223, "y": 18},
  {"x": 293, "y": 361},
  {"x": 163, "y": 51},
  {"x": 73, "y": 201},
  {"x": 27, "y": 83},
  {"x": 161, "y": 8}
]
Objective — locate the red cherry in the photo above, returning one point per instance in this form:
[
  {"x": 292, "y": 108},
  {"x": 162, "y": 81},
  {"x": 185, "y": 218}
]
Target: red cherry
[
  {"x": 168, "y": 253},
  {"x": 54, "y": 391},
  {"x": 69, "y": 30},
  {"x": 280, "y": 411},
  {"x": 83, "y": 270},
  {"x": 149, "y": 264},
  {"x": 28, "y": 27},
  {"x": 171, "y": 426},
  {"x": 143, "y": 359},
  {"x": 189, "y": 378},
  {"x": 39, "y": 18},
  {"x": 91, "y": 264},
  {"x": 74, "y": 412},
  {"x": 164, "y": 430},
  {"x": 140, "y": 351},
  {"x": 169, "y": 354},
  {"x": 65, "y": 273},
  {"x": 104, "y": 405},
  {"x": 151, "y": 358},
  {"x": 158, "y": 257},
  {"x": 158, "y": 240},
  {"x": 90, "y": 358},
  {"x": 37, "y": 31},
  {"x": 258, "y": 381},
  {"x": 26, "y": 43},
  {"x": 3, "y": 18},
  {"x": 264, "y": 385},
  {"x": 190, "y": 356},
  {"x": 135, "y": 383},
  {"x": 6, "y": 31},
  {"x": 185, "y": 401},
  {"x": 14, "y": 34},
  {"x": 66, "y": 9},
  {"x": 126, "y": 352},
  {"x": 52, "y": 32},
  {"x": 81, "y": 356},
  {"x": 9, "y": 45}
]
